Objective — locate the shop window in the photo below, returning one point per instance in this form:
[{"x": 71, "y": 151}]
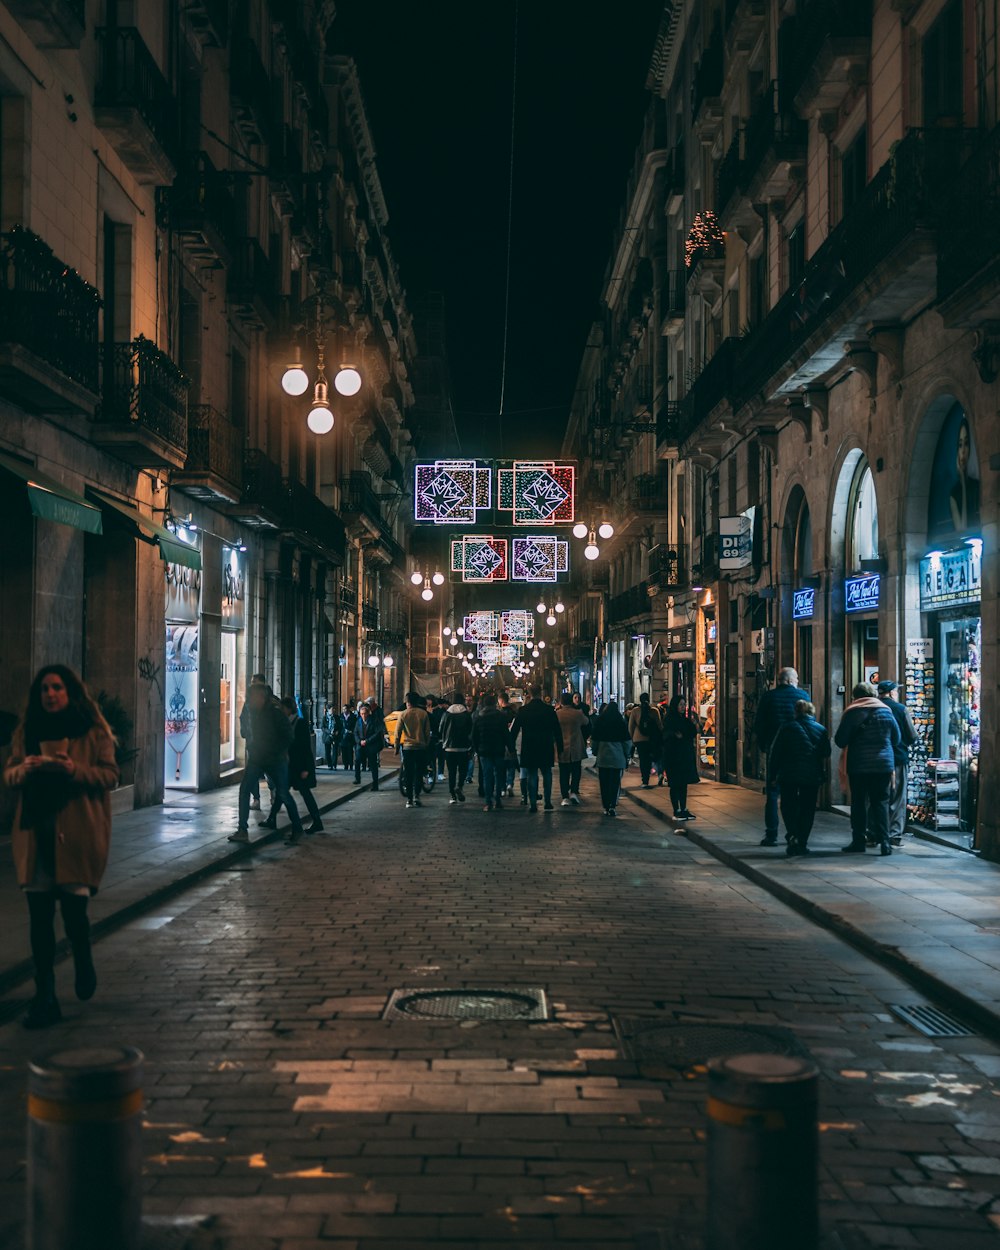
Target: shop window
[
  {"x": 803, "y": 545},
  {"x": 954, "y": 499},
  {"x": 941, "y": 57},
  {"x": 863, "y": 532},
  {"x": 853, "y": 171}
]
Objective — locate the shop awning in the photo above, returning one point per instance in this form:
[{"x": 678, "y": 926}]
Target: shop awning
[
  {"x": 172, "y": 550},
  {"x": 52, "y": 501}
]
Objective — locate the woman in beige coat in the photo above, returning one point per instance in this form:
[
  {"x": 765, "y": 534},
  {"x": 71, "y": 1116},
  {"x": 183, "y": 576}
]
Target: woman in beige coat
[{"x": 62, "y": 766}]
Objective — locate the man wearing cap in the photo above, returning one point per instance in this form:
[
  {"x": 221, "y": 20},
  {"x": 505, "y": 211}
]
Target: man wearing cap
[{"x": 887, "y": 692}]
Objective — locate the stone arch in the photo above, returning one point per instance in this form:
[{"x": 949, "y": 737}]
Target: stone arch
[
  {"x": 937, "y": 401},
  {"x": 844, "y": 474}
]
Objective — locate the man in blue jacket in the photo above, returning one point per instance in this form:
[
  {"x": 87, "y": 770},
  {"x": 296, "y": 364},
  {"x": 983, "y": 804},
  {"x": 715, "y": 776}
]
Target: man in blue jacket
[
  {"x": 887, "y": 692},
  {"x": 777, "y": 708}
]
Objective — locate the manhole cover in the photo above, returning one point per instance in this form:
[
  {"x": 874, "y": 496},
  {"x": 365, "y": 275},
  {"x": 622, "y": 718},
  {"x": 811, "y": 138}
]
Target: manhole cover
[
  {"x": 681, "y": 1045},
  {"x": 500, "y": 1004}
]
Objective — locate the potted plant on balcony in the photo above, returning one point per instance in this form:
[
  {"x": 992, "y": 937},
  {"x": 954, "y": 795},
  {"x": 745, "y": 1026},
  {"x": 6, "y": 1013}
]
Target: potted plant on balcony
[{"x": 706, "y": 240}]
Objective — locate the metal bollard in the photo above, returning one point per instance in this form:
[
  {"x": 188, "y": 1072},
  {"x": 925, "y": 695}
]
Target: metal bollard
[
  {"x": 84, "y": 1149},
  {"x": 763, "y": 1148}
]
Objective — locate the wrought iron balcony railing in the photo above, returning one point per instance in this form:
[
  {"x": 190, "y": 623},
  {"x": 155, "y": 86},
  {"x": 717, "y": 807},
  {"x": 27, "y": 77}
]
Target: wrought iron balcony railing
[
  {"x": 816, "y": 23},
  {"x": 369, "y": 615},
  {"x": 262, "y": 484},
  {"x": 315, "y": 519},
  {"x": 668, "y": 423},
  {"x": 201, "y": 204},
  {"x": 708, "y": 76},
  {"x": 129, "y": 77},
  {"x": 348, "y": 596},
  {"x": 47, "y": 308},
  {"x": 972, "y": 239},
  {"x": 215, "y": 445},
  {"x": 709, "y": 388},
  {"x": 142, "y": 387},
  {"x": 358, "y": 499}
]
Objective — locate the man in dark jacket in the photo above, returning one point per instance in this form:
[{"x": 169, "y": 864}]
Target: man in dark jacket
[
  {"x": 369, "y": 741},
  {"x": 301, "y": 766},
  {"x": 798, "y": 760},
  {"x": 267, "y": 755},
  {"x": 490, "y": 738},
  {"x": 437, "y": 748},
  {"x": 348, "y": 720},
  {"x": 541, "y": 745},
  {"x": 456, "y": 740},
  {"x": 256, "y": 680},
  {"x": 868, "y": 735},
  {"x": 887, "y": 692},
  {"x": 777, "y": 708}
]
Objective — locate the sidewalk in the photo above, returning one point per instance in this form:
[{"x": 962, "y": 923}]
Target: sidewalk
[
  {"x": 929, "y": 913},
  {"x": 159, "y": 851}
]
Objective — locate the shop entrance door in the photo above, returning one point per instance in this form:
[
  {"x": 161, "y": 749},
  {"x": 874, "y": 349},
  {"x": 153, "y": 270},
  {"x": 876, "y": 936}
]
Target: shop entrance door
[
  {"x": 959, "y": 708},
  {"x": 730, "y": 759},
  {"x": 864, "y": 652}
]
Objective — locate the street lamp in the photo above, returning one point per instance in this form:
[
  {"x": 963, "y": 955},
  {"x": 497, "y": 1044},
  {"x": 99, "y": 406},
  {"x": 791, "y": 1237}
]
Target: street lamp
[
  {"x": 582, "y": 530},
  {"x": 295, "y": 380}
]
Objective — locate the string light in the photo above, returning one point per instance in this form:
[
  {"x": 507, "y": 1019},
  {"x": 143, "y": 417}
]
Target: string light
[{"x": 705, "y": 239}]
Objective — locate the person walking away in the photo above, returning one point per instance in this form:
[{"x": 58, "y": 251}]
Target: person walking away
[
  {"x": 777, "y": 708},
  {"x": 456, "y": 739},
  {"x": 575, "y": 726},
  {"x": 332, "y": 733},
  {"x": 256, "y": 680},
  {"x": 868, "y": 737},
  {"x": 62, "y": 769},
  {"x": 302, "y": 763},
  {"x": 644, "y": 730},
  {"x": 270, "y": 738},
  {"x": 679, "y": 755},
  {"x": 413, "y": 737},
  {"x": 610, "y": 739},
  {"x": 509, "y": 755},
  {"x": 491, "y": 737},
  {"x": 348, "y": 719},
  {"x": 541, "y": 745},
  {"x": 369, "y": 741},
  {"x": 437, "y": 711},
  {"x": 888, "y": 693},
  {"x": 798, "y": 760}
]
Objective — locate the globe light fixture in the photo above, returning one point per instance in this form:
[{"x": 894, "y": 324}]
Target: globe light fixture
[
  {"x": 320, "y": 418},
  {"x": 416, "y": 577},
  {"x": 541, "y": 644},
  {"x": 373, "y": 660},
  {"x": 591, "y": 551},
  {"x": 453, "y": 640},
  {"x": 295, "y": 380},
  {"x": 550, "y": 619},
  {"x": 387, "y": 661},
  {"x": 348, "y": 381},
  {"x": 438, "y": 578},
  {"x": 606, "y": 530},
  {"x": 460, "y": 631},
  {"x": 427, "y": 594},
  {"x": 560, "y": 606},
  {"x": 446, "y": 631},
  {"x": 540, "y": 607},
  {"x": 579, "y": 530}
]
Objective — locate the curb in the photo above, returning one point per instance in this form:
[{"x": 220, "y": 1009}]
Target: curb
[
  {"x": 20, "y": 972},
  {"x": 928, "y": 983}
]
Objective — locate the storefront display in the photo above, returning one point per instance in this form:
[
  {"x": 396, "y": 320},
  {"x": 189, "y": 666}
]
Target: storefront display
[
  {"x": 181, "y": 694},
  {"x": 919, "y": 698},
  {"x": 706, "y": 692},
  {"x": 231, "y": 650}
]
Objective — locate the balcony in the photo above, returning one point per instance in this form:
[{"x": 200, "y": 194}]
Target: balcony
[
  {"x": 668, "y": 425},
  {"x": 824, "y": 53},
  {"x": 969, "y": 250},
  {"x": 744, "y": 21},
  {"x": 710, "y": 388},
  {"x": 214, "y": 469},
  {"x": 134, "y": 105},
  {"x": 250, "y": 89},
  {"x": 143, "y": 418},
  {"x": 774, "y": 150},
  {"x": 348, "y": 596},
  {"x": 873, "y": 268},
  {"x": 729, "y": 176},
  {"x": 706, "y": 107},
  {"x": 252, "y": 288},
  {"x": 48, "y": 328},
  {"x": 285, "y": 165},
  {"x": 674, "y": 177},
  {"x": 264, "y": 502},
  {"x": 647, "y": 493},
  {"x": 634, "y": 602},
  {"x": 314, "y": 522},
  {"x": 359, "y": 505},
  {"x": 202, "y": 210},
  {"x": 209, "y": 19},
  {"x": 51, "y": 23},
  {"x": 369, "y": 615},
  {"x": 666, "y": 570},
  {"x": 673, "y": 299}
]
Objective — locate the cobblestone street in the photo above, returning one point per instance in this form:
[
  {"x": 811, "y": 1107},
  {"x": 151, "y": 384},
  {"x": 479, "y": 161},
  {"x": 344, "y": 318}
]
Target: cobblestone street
[{"x": 285, "y": 1110}]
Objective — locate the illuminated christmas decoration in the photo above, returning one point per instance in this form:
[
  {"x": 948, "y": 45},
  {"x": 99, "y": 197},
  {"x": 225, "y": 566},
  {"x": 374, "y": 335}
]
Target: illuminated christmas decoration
[
  {"x": 479, "y": 559},
  {"x": 451, "y": 492},
  {"x": 517, "y": 625},
  {"x": 537, "y": 492},
  {"x": 539, "y": 558},
  {"x": 492, "y": 653},
  {"x": 482, "y": 627},
  {"x": 706, "y": 240}
]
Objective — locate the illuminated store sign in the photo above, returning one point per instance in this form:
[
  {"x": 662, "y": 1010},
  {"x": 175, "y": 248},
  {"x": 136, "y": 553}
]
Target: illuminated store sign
[
  {"x": 951, "y": 578},
  {"x": 451, "y": 492},
  {"x": 537, "y": 492},
  {"x": 480, "y": 559},
  {"x": 539, "y": 558},
  {"x": 861, "y": 593},
  {"x": 803, "y": 604}
]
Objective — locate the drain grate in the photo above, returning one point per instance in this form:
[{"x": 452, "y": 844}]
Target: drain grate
[
  {"x": 647, "y": 1040},
  {"x": 931, "y": 1021},
  {"x": 492, "y": 1004}
]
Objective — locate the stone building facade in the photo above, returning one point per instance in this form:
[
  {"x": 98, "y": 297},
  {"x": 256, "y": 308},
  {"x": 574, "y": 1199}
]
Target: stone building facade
[
  {"x": 189, "y": 203},
  {"x": 830, "y": 410}
]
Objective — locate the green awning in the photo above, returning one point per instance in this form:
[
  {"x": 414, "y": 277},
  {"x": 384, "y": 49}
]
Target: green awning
[
  {"x": 172, "y": 550},
  {"x": 52, "y": 501}
]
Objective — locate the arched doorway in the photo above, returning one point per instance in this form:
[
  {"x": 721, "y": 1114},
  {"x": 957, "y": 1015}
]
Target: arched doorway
[
  {"x": 799, "y": 598},
  {"x": 862, "y": 579}
]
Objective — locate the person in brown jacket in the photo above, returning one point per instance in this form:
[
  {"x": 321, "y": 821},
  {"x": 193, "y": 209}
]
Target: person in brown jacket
[{"x": 62, "y": 766}]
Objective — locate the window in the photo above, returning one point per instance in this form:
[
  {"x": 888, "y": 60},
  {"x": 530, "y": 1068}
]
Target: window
[
  {"x": 796, "y": 254},
  {"x": 941, "y": 68},
  {"x": 862, "y": 535},
  {"x": 853, "y": 171}
]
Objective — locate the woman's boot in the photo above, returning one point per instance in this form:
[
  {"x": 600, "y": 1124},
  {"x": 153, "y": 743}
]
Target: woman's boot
[
  {"x": 74, "y": 914},
  {"x": 43, "y": 1009}
]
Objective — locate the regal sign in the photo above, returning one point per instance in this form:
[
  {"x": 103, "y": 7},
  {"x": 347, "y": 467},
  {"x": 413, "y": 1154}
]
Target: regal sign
[
  {"x": 951, "y": 579},
  {"x": 537, "y": 492},
  {"x": 451, "y": 492}
]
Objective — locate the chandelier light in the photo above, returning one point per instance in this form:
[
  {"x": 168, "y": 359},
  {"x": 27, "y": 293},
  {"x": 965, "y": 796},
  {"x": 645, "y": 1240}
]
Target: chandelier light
[
  {"x": 591, "y": 551},
  {"x": 550, "y": 619},
  {"x": 295, "y": 380},
  {"x": 348, "y": 381},
  {"x": 416, "y": 577}
]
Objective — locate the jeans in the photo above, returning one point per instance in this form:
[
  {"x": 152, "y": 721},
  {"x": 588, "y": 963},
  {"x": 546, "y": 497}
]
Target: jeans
[
  {"x": 679, "y": 796},
  {"x": 277, "y": 779},
  {"x": 309, "y": 799},
  {"x": 370, "y": 757},
  {"x": 569, "y": 778},
  {"x": 330, "y": 752},
  {"x": 533, "y": 785},
  {"x": 494, "y": 770},
  {"x": 869, "y": 806},
  {"x": 457, "y": 767},
  {"x": 897, "y": 802},
  {"x": 611, "y": 784},
  {"x": 645, "y": 750},
  {"x": 511, "y": 770},
  {"x": 771, "y": 792},
  {"x": 798, "y": 808},
  {"x": 413, "y": 767},
  {"x": 347, "y": 751}
]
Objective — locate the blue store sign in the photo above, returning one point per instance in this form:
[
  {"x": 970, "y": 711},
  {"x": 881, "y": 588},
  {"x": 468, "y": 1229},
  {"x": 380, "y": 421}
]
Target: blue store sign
[
  {"x": 861, "y": 593},
  {"x": 803, "y": 604}
]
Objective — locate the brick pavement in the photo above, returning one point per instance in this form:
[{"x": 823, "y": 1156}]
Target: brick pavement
[{"x": 282, "y": 1105}]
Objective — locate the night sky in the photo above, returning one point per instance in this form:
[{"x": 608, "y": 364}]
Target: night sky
[{"x": 436, "y": 79}]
